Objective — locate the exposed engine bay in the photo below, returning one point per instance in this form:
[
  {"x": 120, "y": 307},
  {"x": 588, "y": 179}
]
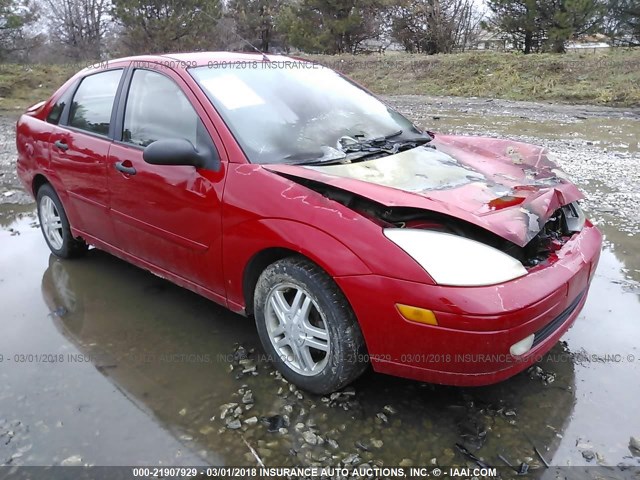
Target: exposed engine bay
[{"x": 554, "y": 234}]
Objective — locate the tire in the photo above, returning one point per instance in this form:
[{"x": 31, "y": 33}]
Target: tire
[
  {"x": 314, "y": 338},
  {"x": 55, "y": 225}
]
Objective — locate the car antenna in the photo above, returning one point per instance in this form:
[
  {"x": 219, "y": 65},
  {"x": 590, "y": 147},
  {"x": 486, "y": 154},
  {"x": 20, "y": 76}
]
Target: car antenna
[{"x": 265, "y": 58}]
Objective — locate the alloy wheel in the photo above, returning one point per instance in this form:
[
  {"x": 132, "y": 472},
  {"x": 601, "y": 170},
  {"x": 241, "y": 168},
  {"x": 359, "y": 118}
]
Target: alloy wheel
[
  {"x": 51, "y": 222},
  {"x": 297, "y": 329}
]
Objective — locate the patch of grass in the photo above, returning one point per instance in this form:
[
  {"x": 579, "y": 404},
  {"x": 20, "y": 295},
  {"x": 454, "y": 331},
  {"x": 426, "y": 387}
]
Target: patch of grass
[
  {"x": 23, "y": 85},
  {"x": 605, "y": 78},
  {"x": 608, "y": 78}
]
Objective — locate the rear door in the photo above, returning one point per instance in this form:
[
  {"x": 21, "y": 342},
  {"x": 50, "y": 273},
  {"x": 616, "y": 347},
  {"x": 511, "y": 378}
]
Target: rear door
[
  {"x": 166, "y": 215},
  {"x": 79, "y": 151}
]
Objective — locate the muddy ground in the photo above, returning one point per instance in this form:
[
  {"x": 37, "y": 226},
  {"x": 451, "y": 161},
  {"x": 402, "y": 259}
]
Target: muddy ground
[{"x": 104, "y": 364}]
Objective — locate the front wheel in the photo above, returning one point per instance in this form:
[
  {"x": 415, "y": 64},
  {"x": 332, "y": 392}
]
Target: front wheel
[
  {"x": 55, "y": 225},
  {"x": 307, "y": 326}
]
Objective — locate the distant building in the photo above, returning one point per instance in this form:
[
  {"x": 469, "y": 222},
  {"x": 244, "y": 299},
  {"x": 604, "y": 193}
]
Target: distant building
[
  {"x": 381, "y": 45},
  {"x": 587, "y": 43},
  {"x": 491, "y": 40}
]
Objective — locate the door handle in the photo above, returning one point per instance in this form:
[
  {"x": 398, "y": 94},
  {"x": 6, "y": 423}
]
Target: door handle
[
  {"x": 128, "y": 170},
  {"x": 61, "y": 145}
]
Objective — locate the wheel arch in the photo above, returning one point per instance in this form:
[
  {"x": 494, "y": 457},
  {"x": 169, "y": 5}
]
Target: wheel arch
[
  {"x": 51, "y": 179},
  {"x": 251, "y": 246},
  {"x": 344, "y": 356},
  {"x": 38, "y": 181},
  {"x": 255, "y": 266}
]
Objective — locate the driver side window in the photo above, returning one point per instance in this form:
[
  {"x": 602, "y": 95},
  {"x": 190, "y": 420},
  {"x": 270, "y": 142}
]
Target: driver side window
[{"x": 157, "y": 109}]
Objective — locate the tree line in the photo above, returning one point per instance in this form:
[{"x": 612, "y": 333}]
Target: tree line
[{"x": 84, "y": 30}]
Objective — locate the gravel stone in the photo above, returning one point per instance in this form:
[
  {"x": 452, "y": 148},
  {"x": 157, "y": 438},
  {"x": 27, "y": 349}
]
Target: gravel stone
[
  {"x": 234, "y": 424},
  {"x": 310, "y": 437}
]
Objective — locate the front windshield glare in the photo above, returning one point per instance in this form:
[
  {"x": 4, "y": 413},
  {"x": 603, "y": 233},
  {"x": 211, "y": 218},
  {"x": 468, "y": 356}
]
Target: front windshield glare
[{"x": 296, "y": 112}]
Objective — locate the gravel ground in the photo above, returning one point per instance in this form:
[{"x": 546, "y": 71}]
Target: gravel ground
[
  {"x": 10, "y": 189},
  {"x": 104, "y": 308},
  {"x": 495, "y": 107}
]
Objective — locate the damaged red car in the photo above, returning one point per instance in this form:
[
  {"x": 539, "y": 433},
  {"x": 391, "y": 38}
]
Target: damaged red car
[{"x": 284, "y": 191}]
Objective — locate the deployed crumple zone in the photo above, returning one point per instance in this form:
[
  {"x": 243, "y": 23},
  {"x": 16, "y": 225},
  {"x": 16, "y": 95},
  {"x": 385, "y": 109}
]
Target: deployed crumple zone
[{"x": 508, "y": 188}]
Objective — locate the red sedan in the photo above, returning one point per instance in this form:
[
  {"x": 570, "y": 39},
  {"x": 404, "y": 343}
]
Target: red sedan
[{"x": 284, "y": 191}]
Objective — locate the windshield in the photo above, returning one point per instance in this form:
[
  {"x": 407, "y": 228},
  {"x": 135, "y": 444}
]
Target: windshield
[{"x": 297, "y": 112}]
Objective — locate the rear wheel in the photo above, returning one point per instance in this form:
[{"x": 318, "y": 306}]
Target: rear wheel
[
  {"x": 307, "y": 326},
  {"x": 55, "y": 225}
]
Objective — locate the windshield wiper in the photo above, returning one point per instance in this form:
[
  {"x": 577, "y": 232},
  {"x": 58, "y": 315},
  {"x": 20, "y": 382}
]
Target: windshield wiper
[
  {"x": 380, "y": 144},
  {"x": 329, "y": 156},
  {"x": 415, "y": 141},
  {"x": 425, "y": 138},
  {"x": 328, "y": 161},
  {"x": 356, "y": 149},
  {"x": 349, "y": 144}
]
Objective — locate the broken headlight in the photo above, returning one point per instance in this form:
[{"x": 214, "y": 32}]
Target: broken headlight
[
  {"x": 574, "y": 217},
  {"x": 454, "y": 260}
]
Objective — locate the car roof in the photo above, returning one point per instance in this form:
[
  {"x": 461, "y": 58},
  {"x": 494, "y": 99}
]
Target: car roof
[
  {"x": 181, "y": 60},
  {"x": 203, "y": 58}
]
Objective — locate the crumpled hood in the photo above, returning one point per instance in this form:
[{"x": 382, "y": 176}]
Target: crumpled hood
[{"x": 508, "y": 188}]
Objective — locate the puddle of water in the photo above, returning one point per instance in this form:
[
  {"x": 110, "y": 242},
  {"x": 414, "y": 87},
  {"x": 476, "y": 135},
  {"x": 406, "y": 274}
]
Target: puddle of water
[
  {"x": 145, "y": 367},
  {"x": 53, "y": 409},
  {"x": 605, "y": 338},
  {"x": 10, "y": 212}
]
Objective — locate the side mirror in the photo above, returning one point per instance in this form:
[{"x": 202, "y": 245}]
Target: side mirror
[{"x": 178, "y": 151}]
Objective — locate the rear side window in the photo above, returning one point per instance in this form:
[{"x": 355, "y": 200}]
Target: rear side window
[
  {"x": 93, "y": 102},
  {"x": 157, "y": 109},
  {"x": 56, "y": 111}
]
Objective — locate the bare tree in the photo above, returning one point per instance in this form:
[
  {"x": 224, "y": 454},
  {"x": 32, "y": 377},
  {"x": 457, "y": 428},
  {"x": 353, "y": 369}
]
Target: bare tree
[
  {"x": 468, "y": 25},
  {"x": 80, "y": 26},
  {"x": 16, "y": 16},
  {"x": 435, "y": 26}
]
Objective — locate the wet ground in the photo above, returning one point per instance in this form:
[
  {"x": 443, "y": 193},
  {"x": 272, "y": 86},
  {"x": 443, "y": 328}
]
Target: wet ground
[{"x": 102, "y": 363}]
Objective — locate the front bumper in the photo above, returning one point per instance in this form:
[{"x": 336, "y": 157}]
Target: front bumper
[{"x": 476, "y": 325}]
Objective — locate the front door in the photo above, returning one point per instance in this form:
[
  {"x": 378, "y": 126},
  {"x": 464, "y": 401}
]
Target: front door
[{"x": 166, "y": 215}]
